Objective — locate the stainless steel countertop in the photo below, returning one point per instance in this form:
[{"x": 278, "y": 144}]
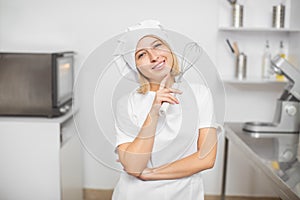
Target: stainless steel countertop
[{"x": 265, "y": 151}]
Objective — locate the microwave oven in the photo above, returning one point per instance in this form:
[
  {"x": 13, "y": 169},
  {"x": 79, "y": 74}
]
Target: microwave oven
[{"x": 36, "y": 84}]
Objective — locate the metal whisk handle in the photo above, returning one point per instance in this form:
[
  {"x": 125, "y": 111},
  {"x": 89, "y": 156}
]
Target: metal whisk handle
[{"x": 163, "y": 109}]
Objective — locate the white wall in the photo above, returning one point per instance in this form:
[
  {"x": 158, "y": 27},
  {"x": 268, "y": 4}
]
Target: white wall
[{"x": 81, "y": 25}]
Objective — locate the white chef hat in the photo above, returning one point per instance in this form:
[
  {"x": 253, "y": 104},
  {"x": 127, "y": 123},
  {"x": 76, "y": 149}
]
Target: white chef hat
[{"x": 124, "y": 55}]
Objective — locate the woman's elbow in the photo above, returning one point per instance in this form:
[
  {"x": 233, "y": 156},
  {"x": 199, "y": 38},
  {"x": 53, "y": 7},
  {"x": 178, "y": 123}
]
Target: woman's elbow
[
  {"x": 135, "y": 173},
  {"x": 211, "y": 163},
  {"x": 133, "y": 170},
  {"x": 208, "y": 162},
  {"x": 133, "y": 167}
]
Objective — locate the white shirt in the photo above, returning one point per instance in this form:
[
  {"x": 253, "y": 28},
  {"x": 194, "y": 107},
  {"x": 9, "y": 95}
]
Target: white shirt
[{"x": 176, "y": 137}]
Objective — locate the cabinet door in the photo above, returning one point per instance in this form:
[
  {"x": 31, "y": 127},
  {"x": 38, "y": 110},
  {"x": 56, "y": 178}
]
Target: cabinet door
[
  {"x": 71, "y": 164},
  {"x": 29, "y": 166}
]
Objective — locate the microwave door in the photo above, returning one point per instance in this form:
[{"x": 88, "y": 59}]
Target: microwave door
[{"x": 64, "y": 86}]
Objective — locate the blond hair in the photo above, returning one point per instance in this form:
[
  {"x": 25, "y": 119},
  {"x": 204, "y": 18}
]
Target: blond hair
[{"x": 175, "y": 70}]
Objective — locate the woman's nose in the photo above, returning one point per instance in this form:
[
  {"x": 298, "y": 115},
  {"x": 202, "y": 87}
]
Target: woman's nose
[{"x": 153, "y": 55}]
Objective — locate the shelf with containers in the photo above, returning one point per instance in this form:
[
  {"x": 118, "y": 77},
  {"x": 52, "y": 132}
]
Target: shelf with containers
[
  {"x": 258, "y": 29},
  {"x": 253, "y": 80},
  {"x": 252, "y": 36}
]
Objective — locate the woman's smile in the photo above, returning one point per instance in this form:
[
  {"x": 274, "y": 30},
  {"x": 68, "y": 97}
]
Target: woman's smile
[{"x": 159, "y": 65}]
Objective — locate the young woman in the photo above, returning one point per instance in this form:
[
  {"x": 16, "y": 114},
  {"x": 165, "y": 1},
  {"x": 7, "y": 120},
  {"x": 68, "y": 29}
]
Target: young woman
[{"x": 148, "y": 173}]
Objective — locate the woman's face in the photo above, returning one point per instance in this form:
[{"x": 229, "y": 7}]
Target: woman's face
[{"x": 153, "y": 58}]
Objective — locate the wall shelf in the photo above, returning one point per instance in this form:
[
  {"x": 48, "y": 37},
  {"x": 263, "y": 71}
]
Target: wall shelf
[
  {"x": 252, "y": 80},
  {"x": 251, "y": 38},
  {"x": 257, "y": 29}
]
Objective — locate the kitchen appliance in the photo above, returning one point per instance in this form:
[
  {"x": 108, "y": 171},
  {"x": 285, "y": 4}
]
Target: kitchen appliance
[
  {"x": 36, "y": 84},
  {"x": 287, "y": 114}
]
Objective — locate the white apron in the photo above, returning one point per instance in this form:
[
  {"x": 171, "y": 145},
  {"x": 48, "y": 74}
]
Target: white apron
[{"x": 170, "y": 144}]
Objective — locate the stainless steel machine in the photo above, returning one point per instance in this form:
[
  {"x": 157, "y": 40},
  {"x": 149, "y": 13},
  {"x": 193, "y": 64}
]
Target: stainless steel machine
[{"x": 287, "y": 113}]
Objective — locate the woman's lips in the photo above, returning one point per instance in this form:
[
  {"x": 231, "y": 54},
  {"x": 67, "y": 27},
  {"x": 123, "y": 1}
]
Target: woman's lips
[{"x": 159, "y": 65}]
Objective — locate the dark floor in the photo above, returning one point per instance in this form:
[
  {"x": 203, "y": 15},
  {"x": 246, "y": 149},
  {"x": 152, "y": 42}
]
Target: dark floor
[{"x": 92, "y": 194}]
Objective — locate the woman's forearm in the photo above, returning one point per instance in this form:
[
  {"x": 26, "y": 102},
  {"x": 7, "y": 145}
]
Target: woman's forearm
[
  {"x": 201, "y": 160},
  {"x": 134, "y": 156},
  {"x": 180, "y": 168}
]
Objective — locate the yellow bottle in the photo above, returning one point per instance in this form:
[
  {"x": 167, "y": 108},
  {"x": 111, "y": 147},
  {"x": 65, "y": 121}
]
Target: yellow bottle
[{"x": 282, "y": 55}]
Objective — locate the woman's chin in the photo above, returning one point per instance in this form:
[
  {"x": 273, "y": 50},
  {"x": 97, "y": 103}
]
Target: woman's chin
[{"x": 159, "y": 78}]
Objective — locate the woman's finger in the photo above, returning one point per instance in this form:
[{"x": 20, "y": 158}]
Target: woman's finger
[
  {"x": 168, "y": 100},
  {"x": 170, "y": 96},
  {"x": 163, "y": 82},
  {"x": 172, "y": 90}
]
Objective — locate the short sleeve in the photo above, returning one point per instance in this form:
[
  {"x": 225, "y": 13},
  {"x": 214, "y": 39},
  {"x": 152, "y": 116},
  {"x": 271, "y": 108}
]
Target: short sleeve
[
  {"x": 131, "y": 112},
  {"x": 122, "y": 137},
  {"x": 125, "y": 127},
  {"x": 206, "y": 117}
]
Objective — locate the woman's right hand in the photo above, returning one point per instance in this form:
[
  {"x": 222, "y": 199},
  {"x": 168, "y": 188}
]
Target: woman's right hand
[{"x": 165, "y": 94}]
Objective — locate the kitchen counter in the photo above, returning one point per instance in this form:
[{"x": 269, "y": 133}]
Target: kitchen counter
[
  {"x": 30, "y": 119},
  {"x": 273, "y": 154},
  {"x": 41, "y": 158}
]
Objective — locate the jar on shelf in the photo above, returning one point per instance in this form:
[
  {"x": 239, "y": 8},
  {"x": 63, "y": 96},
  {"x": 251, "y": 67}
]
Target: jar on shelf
[{"x": 237, "y": 15}]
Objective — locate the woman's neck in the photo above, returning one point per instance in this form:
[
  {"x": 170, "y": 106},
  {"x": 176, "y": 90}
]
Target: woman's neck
[{"x": 155, "y": 86}]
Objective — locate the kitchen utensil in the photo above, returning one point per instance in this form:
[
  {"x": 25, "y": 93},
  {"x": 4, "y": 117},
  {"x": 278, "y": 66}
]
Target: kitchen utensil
[
  {"x": 232, "y": 2},
  {"x": 191, "y": 54},
  {"x": 232, "y": 50},
  {"x": 236, "y": 48},
  {"x": 241, "y": 66}
]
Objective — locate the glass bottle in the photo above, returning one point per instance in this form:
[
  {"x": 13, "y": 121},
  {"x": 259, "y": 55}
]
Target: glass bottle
[
  {"x": 282, "y": 50},
  {"x": 266, "y": 62},
  {"x": 283, "y": 55}
]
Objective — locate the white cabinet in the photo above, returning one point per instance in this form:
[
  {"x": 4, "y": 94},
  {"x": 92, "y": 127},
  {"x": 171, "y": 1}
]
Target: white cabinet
[
  {"x": 251, "y": 38},
  {"x": 40, "y": 159},
  {"x": 71, "y": 163}
]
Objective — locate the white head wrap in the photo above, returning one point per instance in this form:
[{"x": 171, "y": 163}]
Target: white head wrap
[{"x": 125, "y": 51}]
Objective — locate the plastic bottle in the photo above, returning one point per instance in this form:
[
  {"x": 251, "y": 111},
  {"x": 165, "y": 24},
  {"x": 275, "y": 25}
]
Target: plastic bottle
[
  {"x": 266, "y": 62},
  {"x": 283, "y": 55}
]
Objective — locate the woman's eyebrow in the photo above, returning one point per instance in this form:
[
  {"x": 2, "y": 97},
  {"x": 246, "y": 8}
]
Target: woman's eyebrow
[
  {"x": 152, "y": 43},
  {"x": 155, "y": 41},
  {"x": 138, "y": 51}
]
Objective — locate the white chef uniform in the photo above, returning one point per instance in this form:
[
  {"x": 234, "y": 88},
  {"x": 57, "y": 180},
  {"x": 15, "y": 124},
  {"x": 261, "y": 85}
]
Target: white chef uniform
[{"x": 188, "y": 188}]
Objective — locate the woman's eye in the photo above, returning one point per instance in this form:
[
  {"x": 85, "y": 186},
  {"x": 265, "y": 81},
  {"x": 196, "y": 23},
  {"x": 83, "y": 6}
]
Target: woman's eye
[{"x": 141, "y": 55}]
